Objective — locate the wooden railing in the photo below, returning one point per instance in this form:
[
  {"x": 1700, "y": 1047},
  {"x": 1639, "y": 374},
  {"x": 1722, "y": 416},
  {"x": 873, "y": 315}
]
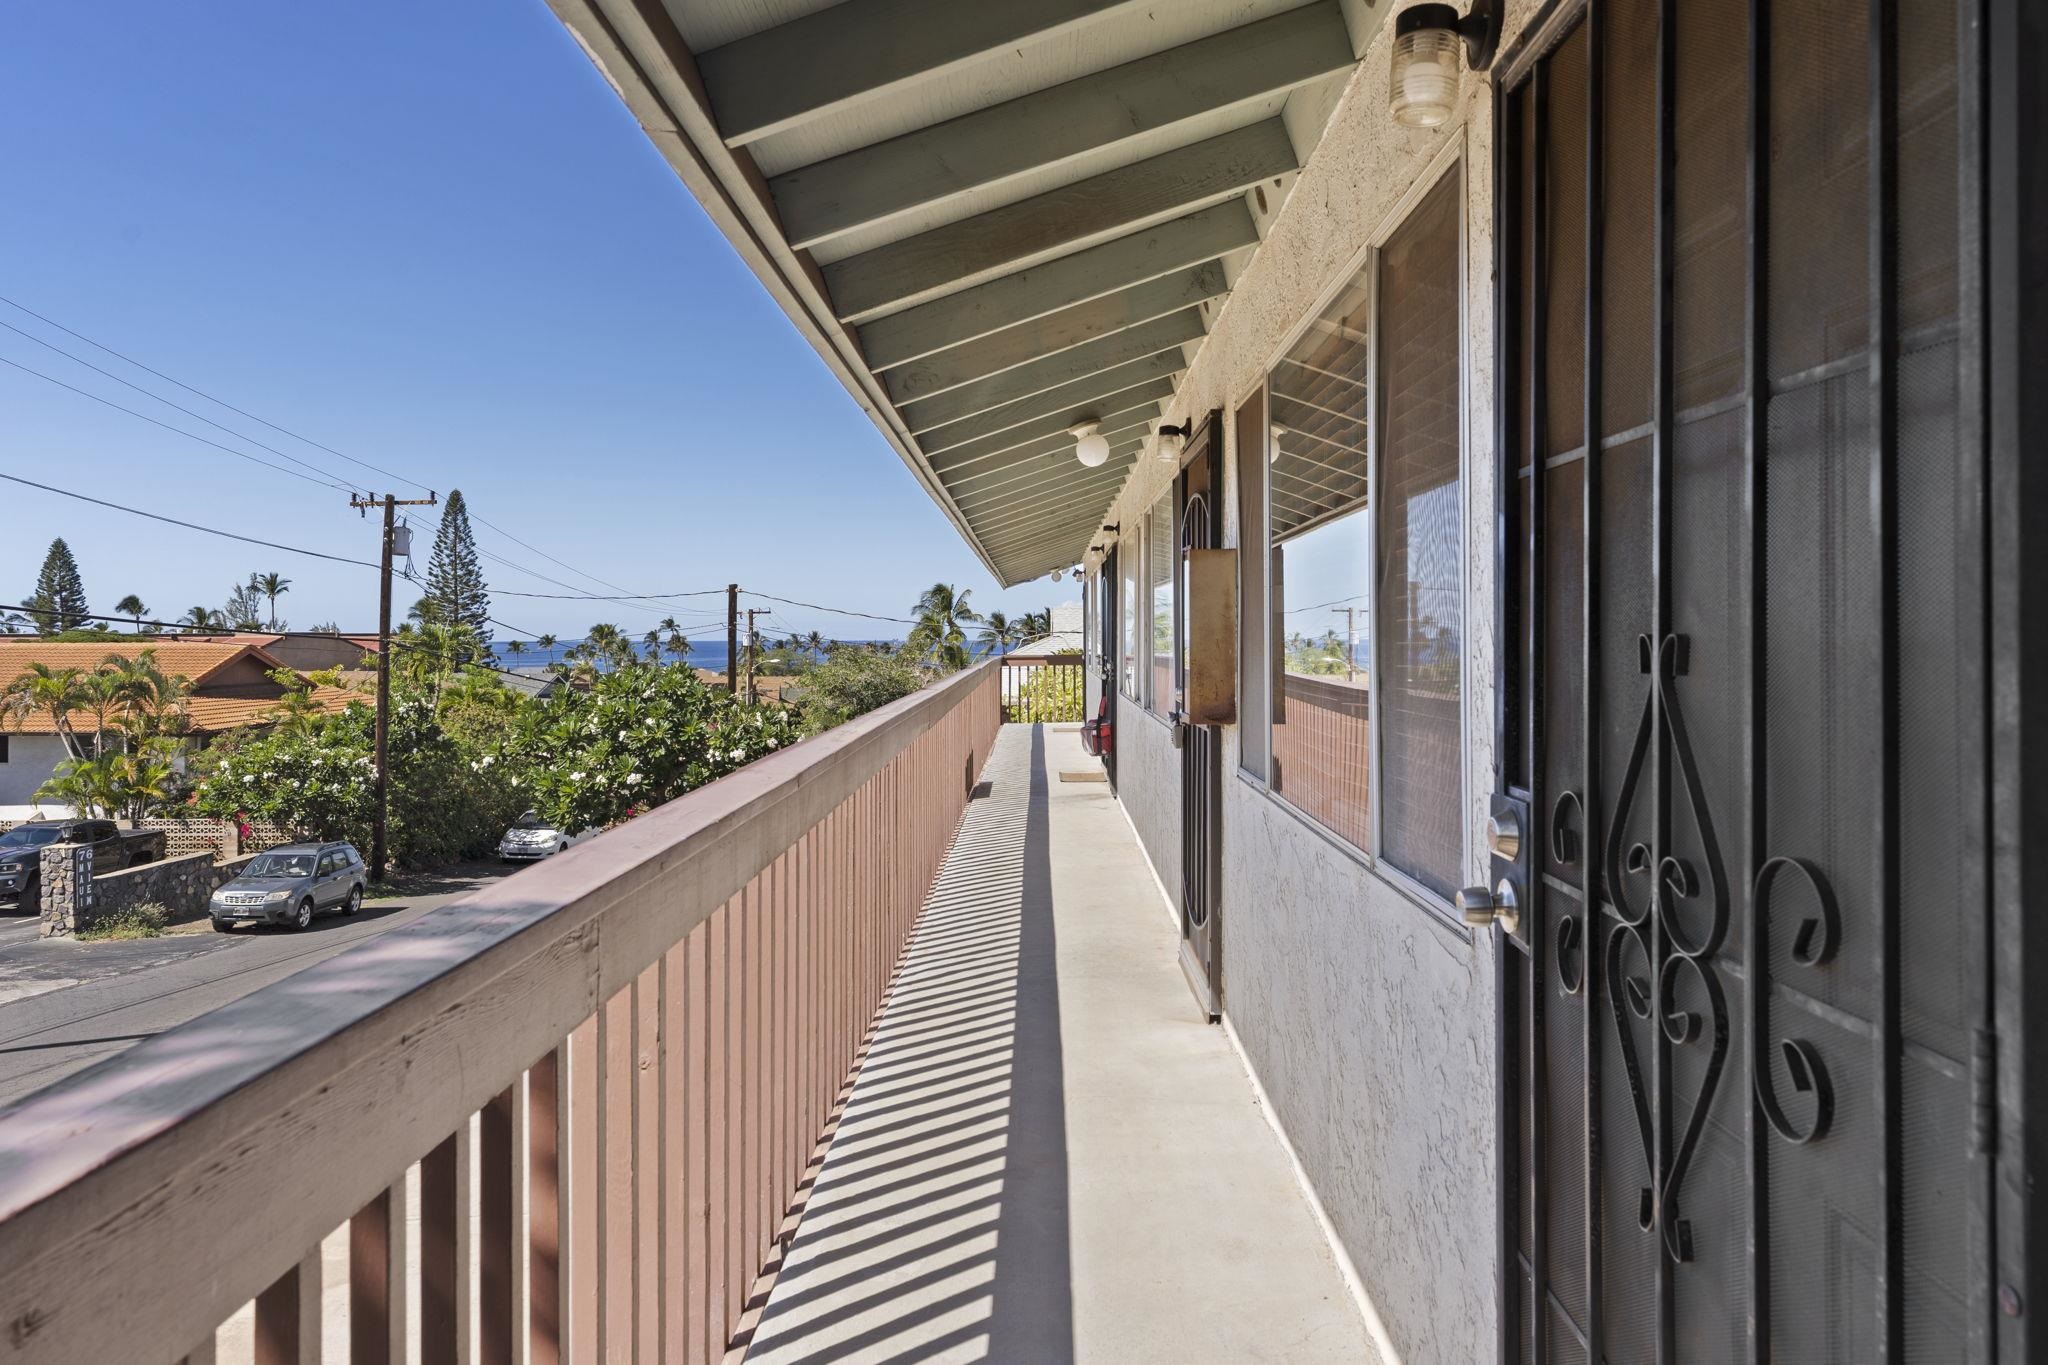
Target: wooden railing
[
  {"x": 1043, "y": 687},
  {"x": 635, "y": 1046}
]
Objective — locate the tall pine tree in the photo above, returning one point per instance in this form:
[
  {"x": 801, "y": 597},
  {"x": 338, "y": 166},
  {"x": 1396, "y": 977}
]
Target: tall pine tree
[
  {"x": 58, "y": 602},
  {"x": 456, "y": 594}
]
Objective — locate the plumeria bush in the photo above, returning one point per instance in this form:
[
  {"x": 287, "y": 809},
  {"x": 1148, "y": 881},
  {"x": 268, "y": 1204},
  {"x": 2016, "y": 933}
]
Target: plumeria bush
[
  {"x": 638, "y": 736},
  {"x": 316, "y": 779}
]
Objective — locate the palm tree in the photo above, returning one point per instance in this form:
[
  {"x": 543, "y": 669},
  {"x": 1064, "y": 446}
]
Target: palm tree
[
  {"x": 546, "y": 644},
  {"x": 53, "y": 692},
  {"x": 998, "y": 634},
  {"x": 272, "y": 586},
  {"x": 131, "y": 607},
  {"x": 149, "y": 705},
  {"x": 14, "y": 623},
  {"x": 200, "y": 619},
  {"x": 604, "y": 643},
  {"x": 515, "y": 647},
  {"x": 1034, "y": 625},
  {"x": 942, "y": 618}
]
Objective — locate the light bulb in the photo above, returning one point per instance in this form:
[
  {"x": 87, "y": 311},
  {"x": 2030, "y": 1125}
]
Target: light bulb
[
  {"x": 1424, "y": 84},
  {"x": 1091, "y": 447}
]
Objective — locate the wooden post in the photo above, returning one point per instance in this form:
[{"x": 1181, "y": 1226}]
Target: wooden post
[{"x": 732, "y": 638}]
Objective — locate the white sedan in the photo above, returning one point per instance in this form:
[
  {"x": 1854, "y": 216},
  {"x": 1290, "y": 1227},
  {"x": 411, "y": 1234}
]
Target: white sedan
[{"x": 532, "y": 838}]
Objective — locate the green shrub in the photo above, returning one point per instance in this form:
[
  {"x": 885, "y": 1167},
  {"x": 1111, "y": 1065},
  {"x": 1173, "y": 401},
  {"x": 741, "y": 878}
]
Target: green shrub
[
  {"x": 147, "y": 920},
  {"x": 639, "y": 735},
  {"x": 1055, "y": 692},
  {"x": 854, "y": 680}
]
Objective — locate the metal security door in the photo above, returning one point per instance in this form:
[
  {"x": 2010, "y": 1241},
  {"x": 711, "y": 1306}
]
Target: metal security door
[
  {"x": 1196, "y": 490},
  {"x": 1740, "y": 850}
]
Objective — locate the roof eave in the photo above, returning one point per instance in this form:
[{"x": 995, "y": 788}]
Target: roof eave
[{"x": 637, "y": 49}]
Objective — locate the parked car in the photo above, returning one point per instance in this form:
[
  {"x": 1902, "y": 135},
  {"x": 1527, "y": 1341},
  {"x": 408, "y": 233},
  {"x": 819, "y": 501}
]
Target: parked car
[
  {"x": 532, "y": 838},
  {"x": 290, "y": 885},
  {"x": 114, "y": 848}
]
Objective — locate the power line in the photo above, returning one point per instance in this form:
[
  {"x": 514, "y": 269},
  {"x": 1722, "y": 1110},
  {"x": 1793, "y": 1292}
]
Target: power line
[
  {"x": 130, "y": 360},
  {"x": 830, "y": 611},
  {"x": 199, "y": 416},
  {"x": 188, "y": 435},
  {"x": 188, "y": 525}
]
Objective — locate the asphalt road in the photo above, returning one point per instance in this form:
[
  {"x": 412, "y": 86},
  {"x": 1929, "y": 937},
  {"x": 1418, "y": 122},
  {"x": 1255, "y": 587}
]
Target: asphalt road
[{"x": 65, "y": 1005}]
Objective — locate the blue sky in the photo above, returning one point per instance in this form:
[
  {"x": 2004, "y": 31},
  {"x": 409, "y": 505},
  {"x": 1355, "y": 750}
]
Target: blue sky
[{"x": 429, "y": 236}]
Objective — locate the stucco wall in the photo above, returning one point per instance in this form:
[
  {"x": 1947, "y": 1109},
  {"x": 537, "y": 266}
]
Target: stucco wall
[
  {"x": 30, "y": 761},
  {"x": 1148, "y": 781},
  {"x": 1368, "y": 1018}
]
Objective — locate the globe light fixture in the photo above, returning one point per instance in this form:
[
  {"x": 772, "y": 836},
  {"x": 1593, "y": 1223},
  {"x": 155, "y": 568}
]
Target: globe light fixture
[
  {"x": 1172, "y": 441},
  {"x": 1091, "y": 447},
  {"x": 1058, "y": 574},
  {"x": 1423, "y": 88}
]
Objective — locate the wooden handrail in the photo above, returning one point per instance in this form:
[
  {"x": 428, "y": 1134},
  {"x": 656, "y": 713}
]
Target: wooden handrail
[{"x": 145, "y": 1198}]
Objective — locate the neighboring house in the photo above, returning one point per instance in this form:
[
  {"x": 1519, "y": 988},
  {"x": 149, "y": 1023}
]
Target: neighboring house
[
  {"x": 311, "y": 653},
  {"x": 1067, "y": 635},
  {"x": 231, "y": 689},
  {"x": 531, "y": 680}
]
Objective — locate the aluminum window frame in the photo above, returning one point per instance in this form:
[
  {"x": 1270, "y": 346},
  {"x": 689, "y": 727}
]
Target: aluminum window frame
[{"x": 1452, "y": 161}]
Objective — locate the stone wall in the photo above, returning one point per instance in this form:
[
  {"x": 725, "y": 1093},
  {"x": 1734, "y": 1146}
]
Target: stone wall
[
  {"x": 66, "y": 888},
  {"x": 74, "y": 898}
]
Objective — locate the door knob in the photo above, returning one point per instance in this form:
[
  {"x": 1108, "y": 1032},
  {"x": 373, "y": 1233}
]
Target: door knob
[{"x": 1481, "y": 907}]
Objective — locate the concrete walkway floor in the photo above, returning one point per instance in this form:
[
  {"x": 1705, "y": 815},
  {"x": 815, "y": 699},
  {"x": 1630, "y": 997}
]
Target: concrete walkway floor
[{"x": 1047, "y": 1156}]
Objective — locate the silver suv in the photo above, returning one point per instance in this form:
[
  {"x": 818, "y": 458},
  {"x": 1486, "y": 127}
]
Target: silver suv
[{"x": 290, "y": 885}]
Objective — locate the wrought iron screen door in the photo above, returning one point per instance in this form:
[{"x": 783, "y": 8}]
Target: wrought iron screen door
[
  {"x": 1201, "y": 748},
  {"x": 1745, "y": 1018}
]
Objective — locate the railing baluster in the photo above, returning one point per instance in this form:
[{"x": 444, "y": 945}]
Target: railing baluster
[
  {"x": 735, "y": 1117},
  {"x": 717, "y": 1129},
  {"x": 585, "y": 1304},
  {"x": 677, "y": 1100},
  {"x": 615, "y": 1177},
  {"x": 546, "y": 1208},
  {"x": 646, "y": 1158},
  {"x": 439, "y": 1281},
  {"x": 700, "y": 1107},
  {"x": 288, "y": 1316},
  {"x": 494, "y": 1245},
  {"x": 377, "y": 1280}
]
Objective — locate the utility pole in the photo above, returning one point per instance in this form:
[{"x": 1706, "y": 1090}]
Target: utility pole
[
  {"x": 390, "y": 504},
  {"x": 732, "y": 639},
  {"x": 753, "y": 654},
  {"x": 1350, "y": 615}
]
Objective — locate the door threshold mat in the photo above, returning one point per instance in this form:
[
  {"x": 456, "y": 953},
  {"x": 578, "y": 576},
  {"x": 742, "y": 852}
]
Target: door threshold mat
[
  {"x": 1066, "y": 729},
  {"x": 1086, "y": 775}
]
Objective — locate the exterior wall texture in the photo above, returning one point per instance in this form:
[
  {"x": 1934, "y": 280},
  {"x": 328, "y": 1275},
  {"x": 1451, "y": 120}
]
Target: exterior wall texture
[
  {"x": 1368, "y": 1016},
  {"x": 30, "y": 761}
]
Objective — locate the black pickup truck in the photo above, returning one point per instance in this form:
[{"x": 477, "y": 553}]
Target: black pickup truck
[{"x": 21, "y": 853}]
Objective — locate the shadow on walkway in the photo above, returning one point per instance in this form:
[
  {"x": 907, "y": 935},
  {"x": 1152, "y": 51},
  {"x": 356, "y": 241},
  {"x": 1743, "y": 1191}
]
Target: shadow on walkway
[{"x": 938, "y": 1229}]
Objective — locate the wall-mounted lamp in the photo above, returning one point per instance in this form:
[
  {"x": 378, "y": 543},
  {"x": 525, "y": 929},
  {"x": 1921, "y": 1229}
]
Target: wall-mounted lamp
[
  {"x": 1058, "y": 574},
  {"x": 1112, "y": 527},
  {"x": 1424, "y": 85},
  {"x": 1173, "y": 440},
  {"x": 1091, "y": 447},
  {"x": 1278, "y": 432}
]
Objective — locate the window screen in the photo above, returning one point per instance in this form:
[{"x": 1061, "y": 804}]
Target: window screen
[
  {"x": 1130, "y": 659},
  {"x": 1420, "y": 608},
  {"x": 1161, "y": 543},
  {"x": 1318, "y": 526},
  {"x": 1252, "y": 691}
]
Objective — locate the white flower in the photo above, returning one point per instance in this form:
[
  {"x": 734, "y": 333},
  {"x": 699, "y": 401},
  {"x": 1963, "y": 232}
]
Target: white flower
[
  {"x": 773, "y": 743},
  {"x": 737, "y": 754},
  {"x": 576, "y": 777},
  {"x": 249, "y": 781},
  {"x": 632, "y": 779},
  {"x": 488, "y": 760},
  {"x": 625, "y": 734}
]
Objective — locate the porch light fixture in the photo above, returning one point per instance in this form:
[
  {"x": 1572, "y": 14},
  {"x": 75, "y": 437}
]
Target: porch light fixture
[
  {"x": 1091, "y": 447},
  {"x": 1172, "y": 441},
  {"x": 1424, "y": 85},
  {"x": 1058, "y": 574}
]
